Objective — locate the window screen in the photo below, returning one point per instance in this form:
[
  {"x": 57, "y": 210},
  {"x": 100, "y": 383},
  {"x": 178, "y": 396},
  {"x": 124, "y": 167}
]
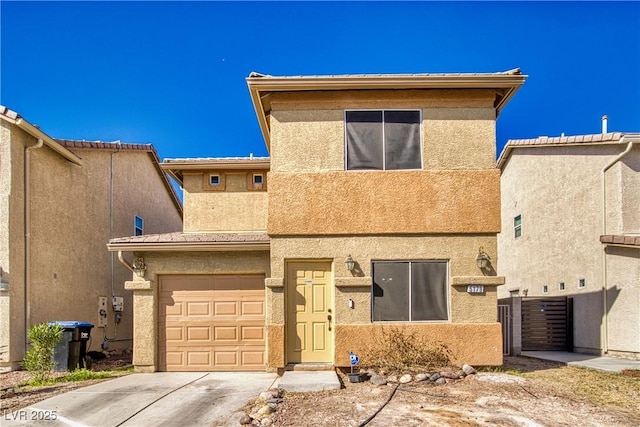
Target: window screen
[
  {"x": 383, "y": 140},
  {"x": 409, "y": 291}
]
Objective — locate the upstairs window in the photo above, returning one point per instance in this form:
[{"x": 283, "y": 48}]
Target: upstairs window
[
  {"x": 383, "y": 140},
  {"x": 517, "y": 226},
  {"x": 138, "y": 226}
]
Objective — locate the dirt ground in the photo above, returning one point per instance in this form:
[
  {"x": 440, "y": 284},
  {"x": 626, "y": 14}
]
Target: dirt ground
[
  {"x": 524, "y": 392},
  {"x": 13, "y": 395},
  {"x": 539, "y": 394}
]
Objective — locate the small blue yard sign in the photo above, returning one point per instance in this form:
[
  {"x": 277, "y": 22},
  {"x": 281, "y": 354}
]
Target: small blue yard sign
[{"x": 354, "y": 358}]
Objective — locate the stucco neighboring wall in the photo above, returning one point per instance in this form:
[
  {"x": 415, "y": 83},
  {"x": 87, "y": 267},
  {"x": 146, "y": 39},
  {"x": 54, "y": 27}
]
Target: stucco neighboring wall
[
  {"x": 557, "y": 191},
  {"x": 623, "y": 271},
  {"x": 71, "y": 224},
  {"x": 12, "y": 337},
  {"x": 234, "y": 209},
  {"x": 381, "y": 202}
]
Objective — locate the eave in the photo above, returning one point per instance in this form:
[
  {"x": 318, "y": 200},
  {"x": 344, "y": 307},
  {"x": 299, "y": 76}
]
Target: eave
[
  {"x": 260, "y": 86},
  {"x": 175, "y": 168}
]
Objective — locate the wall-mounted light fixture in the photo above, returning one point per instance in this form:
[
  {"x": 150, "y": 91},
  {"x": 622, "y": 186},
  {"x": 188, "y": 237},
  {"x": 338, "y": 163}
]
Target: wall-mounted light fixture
[
  {"x": 139, "y": 266},
  {"x": 482, "y": 260},
  {"x": 350, "y": 263}
]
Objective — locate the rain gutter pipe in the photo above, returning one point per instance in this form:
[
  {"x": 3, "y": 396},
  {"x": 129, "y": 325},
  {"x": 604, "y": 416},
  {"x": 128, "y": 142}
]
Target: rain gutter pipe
[
  {"x": 27, "y": 239},
  {"x": 605, "y": 315}
]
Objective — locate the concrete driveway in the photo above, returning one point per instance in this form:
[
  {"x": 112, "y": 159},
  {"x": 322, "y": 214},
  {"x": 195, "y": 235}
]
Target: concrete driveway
[{"x": 159, "y": 399}]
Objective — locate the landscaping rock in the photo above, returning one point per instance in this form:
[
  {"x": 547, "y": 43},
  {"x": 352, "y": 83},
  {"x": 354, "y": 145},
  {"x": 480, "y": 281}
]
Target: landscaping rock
[
  {"x": 245, "y": 420},
  {"x": 434, "y": 377},
  {"x": 378, "y": 380},
  {"x": 461, "y": 374},
  {"x": 405, "y": 379},
  {"x": 441, "y": 381},
  {"x": 468, "y": 369},
  {"x": 266, "y": 410},
  {"x": 266, "y": 422},
  {"x": 450, "y": 375},
  {"x": 392, "y": 379},
  {"x": 421, "y": 377}
]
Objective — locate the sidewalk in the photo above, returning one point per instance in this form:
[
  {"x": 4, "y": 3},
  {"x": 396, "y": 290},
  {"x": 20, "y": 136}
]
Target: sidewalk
[{"x": 601, "y": 363}]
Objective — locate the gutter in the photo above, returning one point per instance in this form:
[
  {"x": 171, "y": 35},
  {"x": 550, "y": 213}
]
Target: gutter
[
  {"x": 37, "y": 133},
  {"x": 188, "y": 247},
  {"x": 26, "y": 221},
  {"x": 605, "y": 314}
]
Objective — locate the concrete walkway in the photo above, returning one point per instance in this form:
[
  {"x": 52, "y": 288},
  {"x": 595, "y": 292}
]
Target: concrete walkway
[
  {"x": 159, "y": 399},
  {"x": 303, "y": 381},
  {"x": 601, "y": 363}
]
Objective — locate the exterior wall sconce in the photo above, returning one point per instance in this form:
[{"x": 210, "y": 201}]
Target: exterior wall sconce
[
  {"x": 139, "y": 266},
  {"x": 350, "y": 263},
  {"x": 482, "y": 260}
]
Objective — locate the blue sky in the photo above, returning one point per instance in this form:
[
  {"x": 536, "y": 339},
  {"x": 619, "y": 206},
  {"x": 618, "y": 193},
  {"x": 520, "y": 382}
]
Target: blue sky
[{"x": 173, "y": 74}]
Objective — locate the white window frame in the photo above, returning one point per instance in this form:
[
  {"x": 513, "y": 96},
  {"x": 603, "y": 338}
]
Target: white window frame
[
  {"x": 517, "y": 228},
  {"x": 545, "y": 289},
  {"x": 562, "y": 286},
  {"x": 582, "y": 283},
  {"x": 211, "y": 176},
  {"x": 409, "y": 261},
  {"x": 256, "y": 175},
  {"x": 135, "y": 225},
  {"x": 384, "y": 160}
]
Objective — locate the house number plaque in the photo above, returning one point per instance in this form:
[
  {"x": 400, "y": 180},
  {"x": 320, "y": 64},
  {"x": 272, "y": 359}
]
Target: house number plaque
[{"x": 475, "y": 289}]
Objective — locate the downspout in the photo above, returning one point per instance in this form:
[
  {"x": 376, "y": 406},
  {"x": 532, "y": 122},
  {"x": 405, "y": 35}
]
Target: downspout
[
  {"x": 27, "y": 240},
  {"x": 605, "y": 314}
]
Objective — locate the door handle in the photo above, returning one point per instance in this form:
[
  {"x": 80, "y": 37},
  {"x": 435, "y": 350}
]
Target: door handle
[{"x": 329, "y": 319}]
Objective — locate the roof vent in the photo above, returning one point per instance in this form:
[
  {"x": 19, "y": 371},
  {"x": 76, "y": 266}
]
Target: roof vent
[{"x": 605, "y": 119}]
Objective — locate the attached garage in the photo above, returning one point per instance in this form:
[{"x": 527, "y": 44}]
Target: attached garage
[{"x": 211, "y": 323}]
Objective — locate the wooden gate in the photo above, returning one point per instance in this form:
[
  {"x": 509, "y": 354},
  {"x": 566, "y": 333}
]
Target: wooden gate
[
  {"x": 547, "y": 324},
  {"x": 504, "y": 317}
]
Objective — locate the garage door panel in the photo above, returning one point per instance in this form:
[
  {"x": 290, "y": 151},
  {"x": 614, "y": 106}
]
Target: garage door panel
[
  {"x": 226, "y": 333},
  {"x": 252, "y": 308},
  {"x": 252, "y": 333},
  {"x": 210, "y": 323},
  {"x": 197, "y": 308},
  {"x": 198, "y": 333},
  {"x": 225, "y": 308}
]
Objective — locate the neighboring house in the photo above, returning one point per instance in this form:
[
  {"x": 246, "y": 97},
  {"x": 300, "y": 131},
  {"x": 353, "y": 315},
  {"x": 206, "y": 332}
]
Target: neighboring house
[
  {"x": 378, "y": 195},
  {"x": 60, "y": 203},
  {"x": 571, "y": 228}
]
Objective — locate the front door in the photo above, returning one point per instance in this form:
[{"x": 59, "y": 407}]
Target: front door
[{"x": 310, "y": 317}]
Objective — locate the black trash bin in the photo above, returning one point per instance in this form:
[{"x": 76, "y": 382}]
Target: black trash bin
[{"x": 70, "y": 352}]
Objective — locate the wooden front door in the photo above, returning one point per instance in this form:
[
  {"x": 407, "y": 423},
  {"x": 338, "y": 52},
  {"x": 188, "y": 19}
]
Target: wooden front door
[{"x": 310, "y": 317}]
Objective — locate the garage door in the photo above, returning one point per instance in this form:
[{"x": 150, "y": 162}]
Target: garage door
[{"x": 211, "y": 323}]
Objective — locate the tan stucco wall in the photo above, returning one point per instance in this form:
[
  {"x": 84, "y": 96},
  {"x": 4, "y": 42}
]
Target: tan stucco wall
[
  {"x": 478, "y": 344},
  {"x": 557, "y": 190},
  {"x": 234, "y": 209},
  {"x": 307, "y": 130},
  {"x": 352, "y": 203},
  {"x": 623, "y": 291},
  {"x": 145, "y": 292},
  {"x": 12, "y": 335},
  {"x": 630, "y": 192},
  {"x": 459, "y": 250},
  {"x": 70, "y": 227}
]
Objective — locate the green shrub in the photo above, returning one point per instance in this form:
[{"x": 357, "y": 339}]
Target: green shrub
[
  {"x": 39, "y": 359},
  {"x": 396, "y": 350}
]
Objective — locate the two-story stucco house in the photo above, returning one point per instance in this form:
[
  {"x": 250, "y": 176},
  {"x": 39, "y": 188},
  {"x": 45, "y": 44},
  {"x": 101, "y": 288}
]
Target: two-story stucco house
[
  {"x": 571, "y": 228},
  {"x": 60, "y": 203},
  {"x": 379, "y": 193}
]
